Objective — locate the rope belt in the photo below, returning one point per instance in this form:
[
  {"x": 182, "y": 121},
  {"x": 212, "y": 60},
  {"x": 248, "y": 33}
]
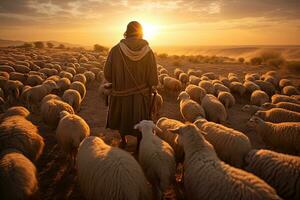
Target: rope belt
[{"x": 142, "y": 89}]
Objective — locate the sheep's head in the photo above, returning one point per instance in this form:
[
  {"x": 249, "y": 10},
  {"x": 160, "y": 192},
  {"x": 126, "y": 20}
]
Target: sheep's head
[
  {"x": 183, "y": 95},
  {"x": 200, "y": 121},
  {"x": 261, "y": 114},
  {"x": 186, "y": 132},
  {"x": 63, "y": 113},
  {"x": 147, "y": 125},
  {"x": 267, "y": 106},
  {"x": 254, "y": 122}
]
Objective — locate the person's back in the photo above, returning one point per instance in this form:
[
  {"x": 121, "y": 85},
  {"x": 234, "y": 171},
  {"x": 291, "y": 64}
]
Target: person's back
[{"x": 132, "y": 70}]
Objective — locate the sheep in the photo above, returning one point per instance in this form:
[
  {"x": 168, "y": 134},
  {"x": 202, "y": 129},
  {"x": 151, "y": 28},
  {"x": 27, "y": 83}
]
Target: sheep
[
  {"x": 64, "y": 74},
  {"x": 277, "y": 115},
  {"x": 283, "y": 98},
  {"x": 71, "y": 130},
  {"x": 51, "y": 109},
  {"x": 177, "y": 72},
  {"x": 156, "y": 158},
  {"x": 233, "y": 78},
  {"x": 90, "y": 76},
  {"x": 194, "y": 72},
  {"x": 22, "y": 69},
  {"x": 194, "y": 80},
  {"x": 189, "y": 109},
  {"x": 250, "y": 86},
  {"x": 17, "y": 176},
  {"x": 18, "y": 77},
  {"x": 219, "y": 87},
  {"x": 100, "y": 77},
  {"x": 225, "y": 81},
  {"x": 50, "y": 96},
  {"x": 231, "y": 145},
  {"x": 54, "y": 78},
  {"x": 274, "y": 168},
  {"x": 266, "y": 87},
  {"x": 214, "y": 109},
  {"x": 208, "y": 86},
  {"x": 80, "y": 77},
  {"x": 271, "y": 79},
  {"x": 79, "y": 87},
  {"x": 210, "y": 75},
  {"x": 6, "y": 68},
  {"x": 286, "y": 105},
  {"x": 184, "y": 78},
  {"x": 163, "y": 71},
  {"x": 63, "y": 84},
  {"x": 71, "y": 70},
  {"x": 259, "y": 97},
  {"x": 285, "y": 82},
  {"x": 34, "y": 80},
  {"x": 161, "y": 78},
  {"x": 226, "y": 98},
  {"x": 15, "y": 110},
  {"x": 220, "y": 180},
  {"x": 106, "y": 172},
  {"x": 204, "y": 78},
  {"x": 297, "y": 97},
  {"x": 172, "y": 84},
  {"x": 73, "y": 98},
  {"x": 18, "y": 133},
  {"x": 196, "y": 93},
  {"x": 12, "y": 91},
  {"x": 48, "y": 72},
  {"x": 237, "y": 88},
  {"x": 171, "y": 138},
  {"x": 251, "y": 109},
  {"x": 157, "y": 105},
  {"x": 4, "y": 74},
  {"x": 251, "y": 77},
  {"x": 283, "y": 136},
  {"x": 290, "y": 90}
]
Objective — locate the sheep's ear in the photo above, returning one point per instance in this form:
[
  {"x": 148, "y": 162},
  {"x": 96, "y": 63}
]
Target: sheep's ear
[
  {"x": 137, "y": 126},
  {"x": 174, "y": 130}
]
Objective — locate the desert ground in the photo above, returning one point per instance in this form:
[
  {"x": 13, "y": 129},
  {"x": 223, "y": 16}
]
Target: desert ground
[{"x": 56, "y": 181}]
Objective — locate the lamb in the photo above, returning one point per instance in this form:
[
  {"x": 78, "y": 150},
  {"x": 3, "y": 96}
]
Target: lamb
[
  {"x": 220, "y": 180},
  {"x": 156, "y": 158},
  {"x": 285, "y": 82},
  {"x": 214, "y": 109},
  {"x": 106, "y": 172},
  {"x": 184, "y": 78},
  {"x": 50, "y": 111},
  {"x": 177, "y": 72},
  {"x": 189, "y": 109},
  {"x": 259, "y": 97},
  {"x": 274, "y": 168},
  {"x": 73, "y": 98},
  {"x": 79, "y": 87},
  {"x": 283, "y": 136},
  {"x": 277, "y": 115},
  {"x": 71, "y": 130},
  {"x": 266, "y": 87},
  {"x": 227, "y": 99},
  {"x": 80, "y": 77},
  {"x": 285, "y": 105},
  {"x": 16, "y": 132},
  {"x": 290, "y": 90},
  {"x": 17, "y": 176},
  {"x": 172, "y": 84},
  {"x": 250, "y": 86},
  {"x": 283, "y": 98},
  {"x": 171, "y": 138},
  {"x": 251, "y": 109},
  {"x": 219, "y": 87},
  {"x": 231, "y": 145},
  {"x": 194, "y": 80},
  {"x": 208, "y": 86},
  {"x": 63, "y": 84},
  {"x": 237, "y": 88},
  {"x": 196, "y": 93}
]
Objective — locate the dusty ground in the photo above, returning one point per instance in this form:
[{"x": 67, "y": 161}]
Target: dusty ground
[{"x": 58, "y": 182}]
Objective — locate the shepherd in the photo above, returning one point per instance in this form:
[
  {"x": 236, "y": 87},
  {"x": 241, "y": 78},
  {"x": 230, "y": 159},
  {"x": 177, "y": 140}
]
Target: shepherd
[{"x": 132, "y": 71}]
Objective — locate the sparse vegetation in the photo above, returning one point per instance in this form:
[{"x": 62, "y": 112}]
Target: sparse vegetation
[
  {"x": 241, "y": 60},
  {"x": 39, "y": 45},
  {"x": 163, "y": 55},
  {"x": 61, "y": 46},
  {"x": 256, "y": 61},
  {"x": 50, "y": 45},
  {"x": 100, "y": 48},
  {"x": 269, "y": 57},
  {"x": 293, "y": 66}
]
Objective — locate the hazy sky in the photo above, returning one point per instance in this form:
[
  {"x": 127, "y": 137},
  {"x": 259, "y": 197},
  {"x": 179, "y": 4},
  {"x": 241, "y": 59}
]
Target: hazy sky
[{"x": 179, "y": 22}]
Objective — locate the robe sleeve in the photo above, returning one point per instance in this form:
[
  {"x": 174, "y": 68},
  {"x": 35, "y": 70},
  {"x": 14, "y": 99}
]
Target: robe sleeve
[
  {"x": 108, "y": 67},
  {"x": 152, "y": 78}
]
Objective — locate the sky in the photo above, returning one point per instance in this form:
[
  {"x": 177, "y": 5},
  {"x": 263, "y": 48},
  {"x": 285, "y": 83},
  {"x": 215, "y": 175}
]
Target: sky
[{"x": 172, "y": 23}]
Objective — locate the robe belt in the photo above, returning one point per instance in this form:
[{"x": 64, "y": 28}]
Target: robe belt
[{"x": 142, "y": 89}]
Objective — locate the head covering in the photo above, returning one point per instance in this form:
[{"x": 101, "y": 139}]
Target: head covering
[{"x": 134, "y": 28}]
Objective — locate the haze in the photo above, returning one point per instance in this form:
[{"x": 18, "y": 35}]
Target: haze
[{"x": 178, "y": 23}]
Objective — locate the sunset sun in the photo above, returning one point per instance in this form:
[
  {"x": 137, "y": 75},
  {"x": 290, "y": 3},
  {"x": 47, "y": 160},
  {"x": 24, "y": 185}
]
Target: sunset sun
[{"x": 150, "y": 31}]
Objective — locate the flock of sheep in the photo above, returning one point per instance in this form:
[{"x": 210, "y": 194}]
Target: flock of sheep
[{"x": 218, "y": 162}]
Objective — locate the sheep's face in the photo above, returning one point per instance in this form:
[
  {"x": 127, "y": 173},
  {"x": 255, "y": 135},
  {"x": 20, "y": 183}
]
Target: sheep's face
[
  {"x": 260, "y": 114},
  {"x": 183, "y": 95},
  {"x": 254, "y": 122},
  {"x": 147, "y": 125},
  {"x": 267, "y": 106},
  {"x": 246, "y": 108}
]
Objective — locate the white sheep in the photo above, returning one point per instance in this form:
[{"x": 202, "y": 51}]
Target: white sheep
[
  {"x": 189, "y": 109},
  {"x": 237, "y": 88},
  {"x": 207, "y": 177},
  {"x": 208, "y": 86},
  {"x": 50, "y": 111},
  {"x": 285, "y": 82},
  {"x": 73, "y": 98},
  {"x": 71, "y": 130},
  {"x": 274, "y": 168},
  {"x": 90, "y": 76},
  {"x": 219, "y": 87},
  {"x": 210, "y": 75},
  {"x": 285, "y": 105},
  {"x": 194, "y": 80},
  {"x": 267, "y": 87},
  {"x": 156, "y": 158},
  {"x": 196, "y": 93},
  {"x": 64, "y": 74},
  {"x": 250, "y": 86},
  {"x": 290, "y": 90},
  {"x": 17, "y": 176},
  {"x": 15, "y": 110},
  {"x": 161, "y": 78},
  {"x": 284, "y": 136},
  {"x": 171, "y": 138},
  {"x": 50, "y": 96},
  {"x": 177, "y": 72},
  {"x": 283, "y": 98},
  {"x": 226, "y": 98},
  {"x": 172, "y": 84},
  {"x": 214, "y": 109},
  {"x": 277, "y": 115},
  {"x": 194, "y": 72},
  {"x": 106, "y": 172},
  {"x": 63, "y": 84},
  {"x": 225, "y": 81},
  {"x": 259, "y": 97},
  {"x": 80, "y": 77},
  {"x": 18, "y": 133},
  {"x": 231, "y": 145},
  {"x": 184, "y": 78},
  {"x": 79, "y": 87}
]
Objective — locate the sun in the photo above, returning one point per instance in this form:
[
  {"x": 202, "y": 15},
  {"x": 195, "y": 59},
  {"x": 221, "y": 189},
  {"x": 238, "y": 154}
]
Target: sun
[{"x": 150, "y": 30}]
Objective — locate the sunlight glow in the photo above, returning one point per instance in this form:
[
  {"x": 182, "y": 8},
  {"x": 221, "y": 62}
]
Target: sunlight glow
[{"x": 150, "y": 30}]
